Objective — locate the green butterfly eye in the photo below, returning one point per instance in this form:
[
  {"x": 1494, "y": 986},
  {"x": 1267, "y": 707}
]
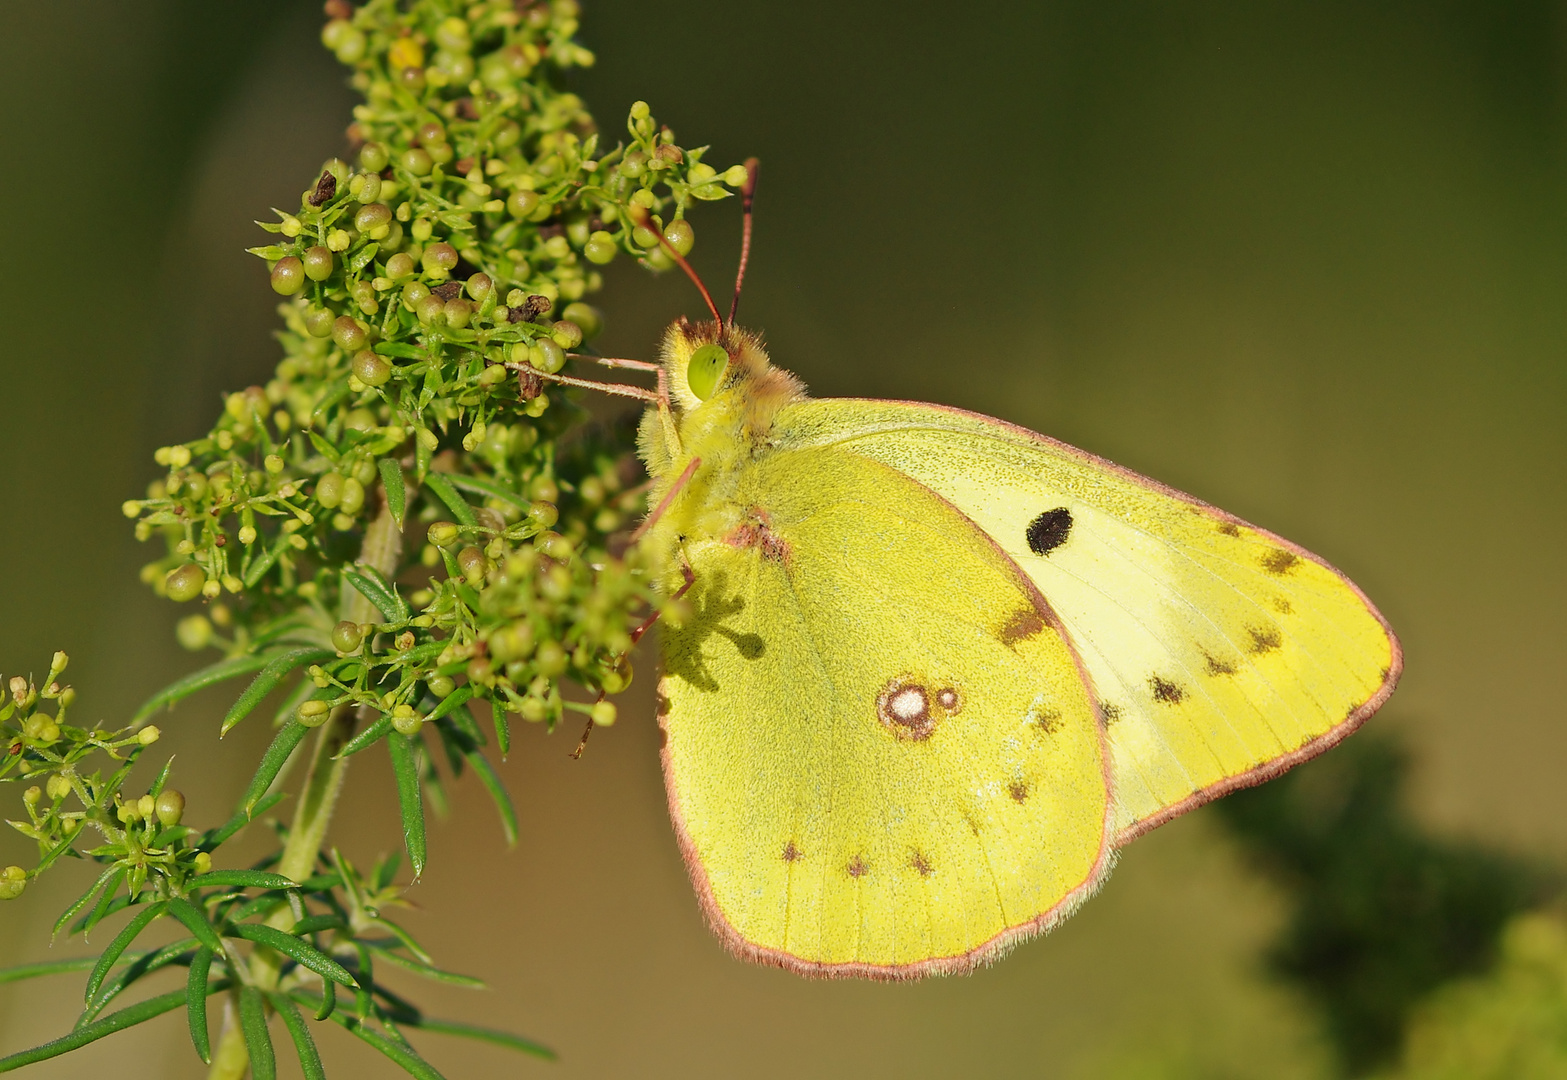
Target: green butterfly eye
[{"x": 706, "y": 369}]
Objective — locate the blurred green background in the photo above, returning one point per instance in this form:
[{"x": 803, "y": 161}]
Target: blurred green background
[{"x": 1305, "y": 261}]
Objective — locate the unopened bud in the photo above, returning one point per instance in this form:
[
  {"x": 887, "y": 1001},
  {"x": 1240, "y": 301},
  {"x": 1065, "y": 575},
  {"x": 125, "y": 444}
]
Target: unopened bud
[{"x": 148, "y": 735}]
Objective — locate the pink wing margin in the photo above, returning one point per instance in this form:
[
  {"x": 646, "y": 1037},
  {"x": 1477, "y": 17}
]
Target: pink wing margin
[
  {"x": 1270, "y": 769},
  {"x": 986, "y": 952}
]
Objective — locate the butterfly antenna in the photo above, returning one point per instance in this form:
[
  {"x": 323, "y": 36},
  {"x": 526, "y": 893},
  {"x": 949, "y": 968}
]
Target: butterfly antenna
[{"x": 747, "y": 194}]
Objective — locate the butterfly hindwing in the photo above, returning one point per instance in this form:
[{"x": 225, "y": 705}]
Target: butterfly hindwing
[
  {"x": 882, "y": 756},
  {"x": 1220, "y": 653}
]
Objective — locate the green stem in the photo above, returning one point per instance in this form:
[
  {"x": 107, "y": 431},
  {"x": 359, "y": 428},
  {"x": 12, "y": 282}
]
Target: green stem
[{"x": 382, "y": 548}]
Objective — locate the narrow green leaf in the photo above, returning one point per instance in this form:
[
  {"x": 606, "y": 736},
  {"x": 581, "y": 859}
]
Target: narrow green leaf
[
  {"x": 400, "y": 351},
  {"x": 301, "y": 951},
  {"x": 498, "y": 794},
  {"x": 258, "y": 567},
  {"x": 392, "y": 481},
  {"x": 314, "y": 924},
  {"x": 502, "y": 731},
  {"x": 114, "y": 873},
  {"x": 108, "y": 904},
  {"x": 284, "y": 743},
  {"x": 450, "y": 704},
  {"x": 222, "y": 834},
  {"x": 361, "y": 258},
  {"x": 489, "y": 1035},
  {"x": 376, "y": 589},
  {"x": 480, "y": 486},
  {"x": 326, "y": 449},
  {"x": 277, "y": 669},
  {"x": 406, "y": 770},
  {"x": 441, "y": 484},
  {"x": 196, "y": 1003},
  {"x": 51, "y": 967},
  {"x": 196, "y": 922},
  {"x": 368, "y": 737},
  {"x": 430, "y": 971},
  {"x": 163, "y": 778},
  {"x": 258, "y": 1040},
  {"x": 121, "y": 942},
  {"x": 136, "y": 966},
  {"x": 222, "y": 671},
  {"x": 244, "y": 879},
  {"x": 328, "y": 999},
  {"x": 405, "y": 1058},
  {"x": 299, "y": 1031},
  {"x": 108, "y": 1025}
]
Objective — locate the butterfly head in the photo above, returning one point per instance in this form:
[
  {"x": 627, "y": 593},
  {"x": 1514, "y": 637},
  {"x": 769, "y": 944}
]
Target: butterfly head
[{"x": 713, "y": 361}]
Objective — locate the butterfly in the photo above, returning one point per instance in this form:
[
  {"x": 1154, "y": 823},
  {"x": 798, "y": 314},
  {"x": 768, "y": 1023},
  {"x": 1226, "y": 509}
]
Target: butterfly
[{"x": 930, "y": 670}]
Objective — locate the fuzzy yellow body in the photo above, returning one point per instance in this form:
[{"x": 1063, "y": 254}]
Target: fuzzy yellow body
[{"x": 937, "y": 666}]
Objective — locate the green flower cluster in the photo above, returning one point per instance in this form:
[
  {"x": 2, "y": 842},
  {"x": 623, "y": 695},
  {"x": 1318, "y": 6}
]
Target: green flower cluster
[
  {"x": 434, "y": 287},
  {"x": 409, "y": 516}
]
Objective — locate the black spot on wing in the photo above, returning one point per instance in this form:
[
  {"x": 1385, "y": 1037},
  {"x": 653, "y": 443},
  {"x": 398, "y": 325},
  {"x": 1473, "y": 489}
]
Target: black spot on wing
[
  {"x": 1049, "y": 530},
  {"x": 1165, "y": 691},
  {"x": 1279, "y": 562},
  {"x": 1264, "y": 639},
  {"x": 1216, "y": 666}
]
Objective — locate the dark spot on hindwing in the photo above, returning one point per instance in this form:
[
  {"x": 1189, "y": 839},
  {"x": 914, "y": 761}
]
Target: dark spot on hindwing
[
  {"x": 1018, "y": 790},
  {"x": 920, "y": 863},
  {"x": 1021, "y": 626},
  {"x": 1215, "y": 666},
  {"x": 856, "y": 868},
  {"x": 1046, "y": 719},
  {"x": 1263, "y": 639},
  {"x": 792, "y": 853},
  {"x": 1279, "y": 562},
  {"x": 1109, "y": 713},
  {"x": 1049, "y": 530},
  {"x": 1229, "y": 528},
  {"x": 1165, "y": 691}
]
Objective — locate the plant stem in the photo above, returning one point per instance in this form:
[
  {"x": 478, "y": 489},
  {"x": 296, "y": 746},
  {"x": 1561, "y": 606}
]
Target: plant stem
[{"x": 382, "y": 548}]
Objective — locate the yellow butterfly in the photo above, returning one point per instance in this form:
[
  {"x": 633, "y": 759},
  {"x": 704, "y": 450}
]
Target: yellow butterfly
[{"x": 934, "y": 668}]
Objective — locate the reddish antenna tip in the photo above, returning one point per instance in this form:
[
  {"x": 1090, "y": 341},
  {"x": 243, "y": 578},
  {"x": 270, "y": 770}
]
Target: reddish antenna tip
[{"x": 747, "y": 194}]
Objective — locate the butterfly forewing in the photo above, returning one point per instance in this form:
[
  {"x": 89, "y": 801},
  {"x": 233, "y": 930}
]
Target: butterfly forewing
[
  {"x": 882, "y": 755},
  {"x": 1219, "y": 653}
]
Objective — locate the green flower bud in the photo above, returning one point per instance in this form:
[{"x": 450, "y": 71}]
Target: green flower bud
[
  {"x": 169, "y": 807},
  {"x": 146, "y": 806},
  {"x": 544, "y": 489},
  {"x": 346, "y": 636},
  {"x": 457, "y": 312},
  {"x": 348, "y": 334},
  {"x": 550, "y": 660},
  {"x": 372, "y": 216},
  {"x": 313, "y": 713},
  {"x": 440, "y": 685},
  {"x": 604, "y": 713},
  {"x": 353, "y": 497},
  {"x": 318, "y": 322},
  {"x": 480, "y": 286},
  {"x": 547, "y": 356},
  {"x": 202, "y": 863},
  {"x": 644, "y": 237},
  {"x": 288, "y": 276},
  {"x": 319, "y": 263},
  {"x": 452, "y": 33},
  {"x": 400, "y": 267},
  {"x": 474, "y": 565},
  {"x": 514, "y": 642},
  {"x": 370, "y": 369},
  {"x": 13, "y": 879},
  {"x": 273, "y": 464},
  {"x": 440, "y": 256},
  {"x": 193, "y": 632},
  {"x": 680, "y": 235},
  {"x": 736, "y": 176},
  {"x": 32, "y": 795},
  {"x": 616, "y": 679},
  {"x": 543, "y": 514},
  {"x": 601, "y": 248},
  {"x": 521, "y": 204},
  {"x": 373, "y": 157},
  {"x": 184, "y": 583},
  {"x": 406, "y": 721},
  {"x": 639, "y": 109},
  {"x": 555, "y": 545},
  {"x": 329, "y": 490},
  {"x": 567, "y": 334},
  {"x": 416, "y": 160},
  {"x": 430, "y": 309},
  {"x": 442, "y": 534},
  {"x": 493, "y": 375},
  {"x": 58, "y": 786},
  {"x": 585, "y": 316},
  {"x": 148, "y": 735}
]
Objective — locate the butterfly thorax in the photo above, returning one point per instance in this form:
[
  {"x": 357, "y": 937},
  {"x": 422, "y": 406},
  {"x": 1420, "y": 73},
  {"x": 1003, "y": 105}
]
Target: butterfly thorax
[{"x": 726, "y": 433}]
